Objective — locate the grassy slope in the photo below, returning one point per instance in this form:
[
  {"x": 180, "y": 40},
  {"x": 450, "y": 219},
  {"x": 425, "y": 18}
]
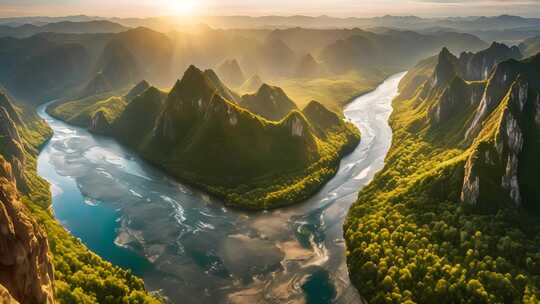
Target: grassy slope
[
  {"x": 80, "y": 275},
  {"x": 410, "y": 239},
  {"x": 333, "y": 91},
  {"x": 81, "y": 111}
]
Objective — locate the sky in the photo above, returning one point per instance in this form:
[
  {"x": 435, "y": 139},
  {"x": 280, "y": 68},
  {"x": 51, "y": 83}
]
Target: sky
[{"x": 337, "y": 8}]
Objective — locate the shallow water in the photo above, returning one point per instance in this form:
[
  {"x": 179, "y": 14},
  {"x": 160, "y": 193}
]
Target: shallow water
[{"x": 187, "y": 244}]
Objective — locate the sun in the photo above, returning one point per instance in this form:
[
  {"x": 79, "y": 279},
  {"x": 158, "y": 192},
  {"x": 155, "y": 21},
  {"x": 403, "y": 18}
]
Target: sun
[{"x": 183, "y": 7}]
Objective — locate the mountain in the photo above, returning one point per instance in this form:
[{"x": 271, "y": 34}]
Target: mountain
[
  {"x": 530, "y": 46},
  {"x": 392, "y": 49},
  {"x": 206, "y": 136},
  {"x": 308, "y": 67},
  {"x": 271, "y": 58},
  {"x": 116, "y": 69},
  {"x": 231, "y": 73},
  {"x": 251, "y": 85},
  {"x": 220, "y": 87},
  {"x": 477, "y": 66},
  {"x": 50, "y": 73},
  {"x": 152, "y": 53},
  {"x": 471, "y": 197},
  {"x": 137, "y": 90},
  {"x": 269, "y": 102},
  {"x": 67, "y": 27}
]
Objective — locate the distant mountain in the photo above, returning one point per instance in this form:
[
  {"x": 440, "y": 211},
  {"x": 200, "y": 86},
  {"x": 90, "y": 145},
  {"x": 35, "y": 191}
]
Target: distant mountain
[
  {"x": 272, "y": 58},
  {"x": 308, "y": 67},
  {"x": 531, "y": 46},
  {"x": 117, "y": 68},
  {"x": 252, "y": 85},
  {"x": 152, "y": 52},
  {"x": 269, "y": 102},
  {"x": 50, "y": 73},
  {"x": 67, "y": 27},
  {"x": 392, "y": 49},
  {"x": 231, "y": 73}
]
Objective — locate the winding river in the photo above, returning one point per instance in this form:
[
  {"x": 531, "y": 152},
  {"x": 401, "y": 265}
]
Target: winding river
[{"x": 187, "y": 245}]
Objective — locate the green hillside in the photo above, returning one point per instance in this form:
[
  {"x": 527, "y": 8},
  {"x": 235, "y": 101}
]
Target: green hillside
[
  {"x": 207, "y": 136},
  {"x": 452, "y": 217}
]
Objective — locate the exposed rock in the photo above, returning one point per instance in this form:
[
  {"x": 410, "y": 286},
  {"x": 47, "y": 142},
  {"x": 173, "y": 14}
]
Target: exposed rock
[
  {"x": 478, "y": 66},
  {"x": 99, "y": 123},
  {"x": 11, "y": 147},
  {"x": 26, "y": 269},
  {"x": 137, "y": 90},
  {"x": 492, "y": 170}
]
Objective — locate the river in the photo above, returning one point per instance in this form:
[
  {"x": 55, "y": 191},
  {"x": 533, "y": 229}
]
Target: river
[{"x": 186, "y": 244}]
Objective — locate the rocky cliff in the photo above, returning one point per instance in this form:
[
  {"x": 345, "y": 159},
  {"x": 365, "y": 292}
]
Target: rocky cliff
[{"x": 26, "y": 270}]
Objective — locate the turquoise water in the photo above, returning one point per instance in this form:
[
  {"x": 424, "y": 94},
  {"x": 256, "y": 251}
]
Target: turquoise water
[{"x": 187, "y": 244}]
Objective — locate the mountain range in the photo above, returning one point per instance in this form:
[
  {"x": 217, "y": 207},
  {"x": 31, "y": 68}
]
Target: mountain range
[
  {"x": 206, "y": 129},
  {"x": 467, "y": 205}
]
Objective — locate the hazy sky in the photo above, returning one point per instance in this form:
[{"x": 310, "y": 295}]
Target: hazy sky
[{"x": 146, "y": 8}]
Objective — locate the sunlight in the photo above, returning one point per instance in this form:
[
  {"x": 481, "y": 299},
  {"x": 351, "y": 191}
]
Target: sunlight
[{"x": 183, "y": 7}]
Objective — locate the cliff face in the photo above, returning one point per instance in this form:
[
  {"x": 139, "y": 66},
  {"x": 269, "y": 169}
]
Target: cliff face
[{"x": 26, "y": 270}]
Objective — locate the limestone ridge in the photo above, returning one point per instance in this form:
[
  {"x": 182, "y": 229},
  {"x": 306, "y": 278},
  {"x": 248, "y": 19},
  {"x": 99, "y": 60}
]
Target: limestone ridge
[
  {"x": 502, "y": 169},
  {"x": 137, "y": 90},
  {"x": 229, "y": 150},
  {"x": 495, "y": 115},
  {"x": 478, "y": 66}
]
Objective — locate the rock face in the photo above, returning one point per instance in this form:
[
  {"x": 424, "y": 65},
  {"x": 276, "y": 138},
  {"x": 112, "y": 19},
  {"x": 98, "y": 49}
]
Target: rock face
[
  {"x": 491, "y": 102},
  {"x": 269, "y": 102},
  {"x": 26, "y": 270},
  {"x": 478, "y": 66},
  {"x": 99, "y": 123},
  {"x": 502, "y": 170},
  {"x": 11, "y": 145}
]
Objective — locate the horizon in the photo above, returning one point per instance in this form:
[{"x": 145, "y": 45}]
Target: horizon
[{"x": 213, "y": 8}]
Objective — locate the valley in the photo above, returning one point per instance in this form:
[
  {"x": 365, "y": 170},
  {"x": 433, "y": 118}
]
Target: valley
[
  {"x": 184, "y": 151},
  {"x": 142, "y": 210}
]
